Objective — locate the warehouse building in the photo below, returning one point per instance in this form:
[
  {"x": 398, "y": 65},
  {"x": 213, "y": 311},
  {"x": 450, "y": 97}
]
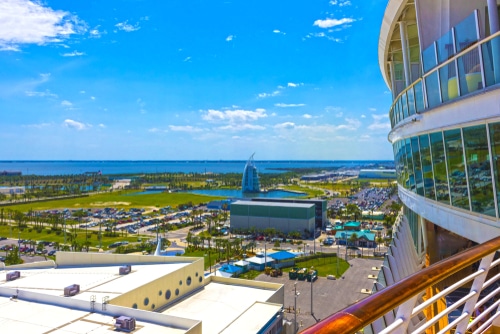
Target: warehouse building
[
  {"x": 319, "y": 210},
  {"x": 284, "y": 217}
]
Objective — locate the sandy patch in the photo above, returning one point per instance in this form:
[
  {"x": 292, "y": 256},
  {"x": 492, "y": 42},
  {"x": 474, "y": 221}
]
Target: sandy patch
[{"x": 109, "y": 203}]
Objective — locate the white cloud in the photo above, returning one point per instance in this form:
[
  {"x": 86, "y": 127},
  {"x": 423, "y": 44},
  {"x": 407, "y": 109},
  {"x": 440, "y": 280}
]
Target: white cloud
[
  {"x": 290, "y": 105},
  {"x": 82, "y": 92},
  {"x": 38, "y": 126},
  {"x": 66, "y": 103},
  {"x": 96, "y": 33},
  {"x": 187, "y": 59},
  {"x": 363, "y": 116},
  {"x": 340, "y": 3},
  {"x": 276, "y": 31},
  {"x": 380, "y": 126},
  {"x": 307, "y": 116},
  {"x": 153, "y": 130},
  {"x": 73, "y": 54},
  {"x": 185, "y": 128},
  {"x": 323, "y": 35},
  {"x": 292, "y": 84},
  {"x": 350, "y": 124},
  {"x": 264, "y": 95},
  {"x": 380, "y": 117},
  {"x": 240, "y": 127},
  {"x": 71, "y": 124},
  {"x": 372, "y": 109},
  {"x": 233, "y": 116},
  {"x": 92, "y": 98},
  {"x": 339, "y": 114},
  {"x": 125, "y": 26},
  {"x": 328, "y": 23},
  {"x": 46, "y": 93},
  {"x": 30, "y": 22},
  {"x": 286, "y": 125},
  {"x": 102, "y": 126},
  {"x": 229, "y": 38}
]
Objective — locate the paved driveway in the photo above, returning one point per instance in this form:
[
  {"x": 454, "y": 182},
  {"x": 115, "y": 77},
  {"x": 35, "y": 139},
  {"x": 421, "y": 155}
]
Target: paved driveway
[{"x": 329, "y": 296}]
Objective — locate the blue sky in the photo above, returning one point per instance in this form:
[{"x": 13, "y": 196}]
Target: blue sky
[{"x": 184, "y": 79}]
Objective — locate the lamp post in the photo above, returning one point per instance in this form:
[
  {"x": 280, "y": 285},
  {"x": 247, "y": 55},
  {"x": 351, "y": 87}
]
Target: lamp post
[{"x": 296, "y": 294}]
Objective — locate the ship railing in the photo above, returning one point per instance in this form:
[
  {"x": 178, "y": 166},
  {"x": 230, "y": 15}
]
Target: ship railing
[
  {"x": 475, "y": 68},
  {"x": 473, "y": 272}
]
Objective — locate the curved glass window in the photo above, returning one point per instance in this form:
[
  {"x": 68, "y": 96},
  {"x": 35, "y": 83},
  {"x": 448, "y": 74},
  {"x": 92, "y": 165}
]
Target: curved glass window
[
  {"x": 439, "y": 168},
  {"x": 425, "y": 157},
  {"x": 479, "y": 170},
  {"x": 419, "y": 182},
  {"x": 419, "y": 97},
  {"x": 432, "y": 90},
  {"x": 495, "y": 149},
  {"x": 456, "y": 170},
  {"x": 409, "y": 161}
]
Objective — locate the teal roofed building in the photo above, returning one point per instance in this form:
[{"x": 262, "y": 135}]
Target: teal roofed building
[{"x": 250, "y": 182}]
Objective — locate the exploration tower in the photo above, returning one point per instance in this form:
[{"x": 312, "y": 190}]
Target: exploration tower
[{"x": 250, "y": 182}]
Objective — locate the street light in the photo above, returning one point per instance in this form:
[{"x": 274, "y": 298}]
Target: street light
[{"x": 296, "y": 294}]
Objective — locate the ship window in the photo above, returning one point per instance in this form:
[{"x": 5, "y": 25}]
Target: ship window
[
  {"x": 479, "y": 170},
  {"x": 425, "y": 157},
  {"x": 456, "y": 171},
  {"x": 439, "y": 168},
  {"x": 495, "y": 149}
]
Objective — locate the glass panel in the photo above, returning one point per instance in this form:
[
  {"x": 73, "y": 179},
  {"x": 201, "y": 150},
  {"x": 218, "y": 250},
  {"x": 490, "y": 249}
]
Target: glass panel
[
  {"x": 429, "y": 58},
  {"x": 391, "y": 117},
  {"x": 495, "y": 148},
  {"x": 404, "y": 106},
  {"x": 456, "y": 169},
  {"x": 409, "y": 160},
  {"x": 466, "y": 33},
  {"x": 469, "y": 69},
  {"x": 411, "y": 102},
  {"x": 491, "y": 61},
  {"x": 406, "y": 181},
  {"x": 479, "y": 170},
  {"x": 449, "y": 85},
  {"x": 439, "y": 164},
  {"x": 445, "y": 47},
  {"x": 425, "y": 156},
  {"x": 400, "y": 111},
  {"x": 432, "y": 87},
  {"x": 419, "y": 97},
  {"x": 401, "y": 164},
  {"x": 419, "y": 182}
]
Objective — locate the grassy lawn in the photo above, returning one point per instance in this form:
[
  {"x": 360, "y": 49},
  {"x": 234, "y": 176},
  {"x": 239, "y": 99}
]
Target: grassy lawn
[
  {"x": 201, "y": 253},
  {"x": 250, "y": 275},
  {"x": 324, "y": 266},
  {"x": 310, "y": 192},
  {"x": 117, "y": 199}
]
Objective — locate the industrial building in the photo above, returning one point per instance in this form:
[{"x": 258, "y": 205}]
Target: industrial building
[
  {"x": 320, "y": 209},
  {"x": 377, "y": 174},
  {"x": 89, "y": 292},
  {"x": 284, "y": 217}
]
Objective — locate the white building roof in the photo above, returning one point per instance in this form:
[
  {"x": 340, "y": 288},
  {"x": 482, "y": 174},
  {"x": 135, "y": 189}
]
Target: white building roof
[
  {"x": 20, "y": 316},
  {"x": 219, "y": 304},
  {"x": 253, "y": 319}
]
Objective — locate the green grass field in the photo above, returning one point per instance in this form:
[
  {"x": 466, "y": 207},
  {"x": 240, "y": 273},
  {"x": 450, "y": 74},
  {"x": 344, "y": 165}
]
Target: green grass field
[
  {"x": 26, "y": 234},
  {"x": 324, "y": 266},
  {"x": 117, "y": 199}
]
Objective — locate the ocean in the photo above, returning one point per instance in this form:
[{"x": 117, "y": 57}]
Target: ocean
[{"x": 121, "y": 167}]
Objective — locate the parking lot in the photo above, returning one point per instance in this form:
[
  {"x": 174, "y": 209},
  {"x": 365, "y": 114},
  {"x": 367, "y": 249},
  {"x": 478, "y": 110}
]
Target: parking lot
[
  {"x": 27, "y": 257},
  {"x": 329, "y": 296}
]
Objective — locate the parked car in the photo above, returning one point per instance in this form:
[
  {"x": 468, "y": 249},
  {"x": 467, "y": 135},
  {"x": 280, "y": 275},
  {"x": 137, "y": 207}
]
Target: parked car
[{"x": 52, "y": 252}]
